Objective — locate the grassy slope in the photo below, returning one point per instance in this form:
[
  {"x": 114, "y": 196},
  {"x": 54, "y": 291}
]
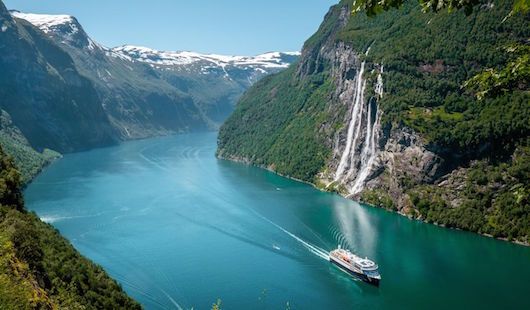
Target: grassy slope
[
  {"x": 286, "y": 122},
  {"x": 28, "y": 160},
  {"x": 276, "y": 122},
  {"x": 41, "y": 269},
  {"x": 266, "y": 129}
]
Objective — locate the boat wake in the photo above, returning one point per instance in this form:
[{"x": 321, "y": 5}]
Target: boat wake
[
  {"x": 339, "y": 237},
  {"x": 177, "y": 306},
  {"x": 312, "y": 248},
  {"x": 318, "y": 251},
  {"x": 144, "y": 291}
]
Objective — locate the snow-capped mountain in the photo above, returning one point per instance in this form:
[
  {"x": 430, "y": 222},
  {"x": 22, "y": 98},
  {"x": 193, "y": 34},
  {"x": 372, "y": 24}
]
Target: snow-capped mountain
[
  {"x": 162, "y": 58},
  {"x": 231, "y": 67},
  {"x": 48, "y": 23},
  {"x": 66, "y": 26},
  {"x": 48, "y": 102},
  {"x": 70, "y": 32},
  {"x": 147, "y": 92}
]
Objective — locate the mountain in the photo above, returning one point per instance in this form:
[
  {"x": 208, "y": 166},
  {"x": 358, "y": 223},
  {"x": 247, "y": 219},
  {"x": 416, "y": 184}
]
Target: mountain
[
  {"x": 47, "y": 98},
  {"x": 63, "y": 91},
  {"x": 147, "y": 92},
  {"x": 375, "y": 110},
  {"x": 39, "y": 269},
  {"x": 215, "y": 82}
]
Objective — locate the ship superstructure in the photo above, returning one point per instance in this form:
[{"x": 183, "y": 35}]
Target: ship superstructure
[{"x": 362, "y": 268}]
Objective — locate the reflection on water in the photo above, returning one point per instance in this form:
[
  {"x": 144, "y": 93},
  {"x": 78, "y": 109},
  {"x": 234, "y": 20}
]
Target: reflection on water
[
  {"x": 357, "y": 230},
  {"x": 179, "y": 229}
]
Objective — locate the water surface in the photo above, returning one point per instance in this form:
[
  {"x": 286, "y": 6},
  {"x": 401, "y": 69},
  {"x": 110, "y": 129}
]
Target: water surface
[{"x": 179, "y": 228}]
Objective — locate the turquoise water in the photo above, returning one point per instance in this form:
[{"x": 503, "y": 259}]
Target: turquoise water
[{"x": 179, "y": 229}]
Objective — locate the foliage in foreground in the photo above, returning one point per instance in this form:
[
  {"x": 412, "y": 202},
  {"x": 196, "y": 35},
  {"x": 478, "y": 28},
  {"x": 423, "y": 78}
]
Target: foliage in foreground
[
  {"x": 373, "y": 7},
  {"x": 39, "y": 269}
]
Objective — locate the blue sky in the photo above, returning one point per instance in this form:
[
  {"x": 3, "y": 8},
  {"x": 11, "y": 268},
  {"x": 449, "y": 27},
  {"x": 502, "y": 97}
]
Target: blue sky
[{"x": 236, "y": 27}]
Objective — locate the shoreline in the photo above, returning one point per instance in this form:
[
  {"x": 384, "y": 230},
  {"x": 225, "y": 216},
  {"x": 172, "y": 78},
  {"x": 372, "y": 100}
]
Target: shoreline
[
  {"x": 346, "y": 196},
  {"x": 249, "y": 163}
]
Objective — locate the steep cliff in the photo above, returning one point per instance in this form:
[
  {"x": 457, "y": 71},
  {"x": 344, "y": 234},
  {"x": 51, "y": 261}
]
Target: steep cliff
[
  {"x": 52, "y": 104},
  {"x": 146, "y": 92},
  {"x": 28, "y": 160},
  {"x": 375, "y": 110},
  {"x": 60, "y": 90}
]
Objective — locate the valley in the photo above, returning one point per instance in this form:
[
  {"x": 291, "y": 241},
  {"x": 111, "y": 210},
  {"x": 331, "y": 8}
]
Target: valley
[
  {"x": 258, "y": 239},
  {"x": 74, "y": 94},
  {"x": 133, "y": 177}
]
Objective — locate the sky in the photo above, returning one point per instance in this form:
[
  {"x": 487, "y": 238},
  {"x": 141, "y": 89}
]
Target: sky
[{"x": 231, "y": 27}]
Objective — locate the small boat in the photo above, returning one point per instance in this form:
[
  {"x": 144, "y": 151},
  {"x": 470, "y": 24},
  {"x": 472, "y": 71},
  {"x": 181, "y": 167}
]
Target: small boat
[{"x": 363, "y": 268}]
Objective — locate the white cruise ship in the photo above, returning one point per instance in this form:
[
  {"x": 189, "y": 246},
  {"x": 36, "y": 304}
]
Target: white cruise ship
[{"x": 362, "y": 268}]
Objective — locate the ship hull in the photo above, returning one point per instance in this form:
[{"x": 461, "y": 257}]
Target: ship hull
[{"x": 361, "y": 276}]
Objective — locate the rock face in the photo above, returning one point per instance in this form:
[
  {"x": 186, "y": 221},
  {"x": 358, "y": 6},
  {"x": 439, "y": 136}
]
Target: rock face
[
  {"x": 148, "y": 92},
  {"x": 375, "y": 110},
  {"x": 403, "y": 160},
  {"x": 66, "y": 92},
  {"x": 366, "y": 156},
  {"x": 47, "y": 98}
]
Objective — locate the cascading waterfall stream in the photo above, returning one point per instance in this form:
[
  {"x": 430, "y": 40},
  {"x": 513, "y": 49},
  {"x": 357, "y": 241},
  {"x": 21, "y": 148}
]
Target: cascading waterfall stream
[
  {"x": 369, "y": 115},
  {"x": 367, "y": 156},
  {"x": 357, "y": 135},
  {"x": 355, "y": 120},
  {"x": 379, "y": 84},
  {"x": 358, "y": 130}
]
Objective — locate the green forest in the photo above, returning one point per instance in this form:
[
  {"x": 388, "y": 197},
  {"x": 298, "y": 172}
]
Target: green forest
[
  {"x": 273, "y": 105},
  {"x": 495, "y": 199},
  {"x": 287, "y": 122},
  {"x": 39, "y": 269}
]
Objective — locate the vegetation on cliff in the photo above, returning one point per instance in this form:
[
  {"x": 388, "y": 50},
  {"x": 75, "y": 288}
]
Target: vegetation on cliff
[
  {"x": 271, "y": 130},
  {"x": 39, "y": 268},
  {"x": 490, "y": 197},
  {"x": 494, "y": 199},
  {"x": 29, "y": 161},
  {"x": 427, "y": 59}
]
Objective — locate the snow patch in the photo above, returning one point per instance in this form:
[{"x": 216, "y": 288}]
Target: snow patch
[
  {"x": 180, "y": 58},
  {"x": 47, "y": 23},
  {"x": 67, "y": 26}
]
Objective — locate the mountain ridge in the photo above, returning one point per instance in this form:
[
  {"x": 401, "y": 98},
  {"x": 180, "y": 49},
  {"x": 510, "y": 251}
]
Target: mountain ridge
[
  {"x": 132, "y": 97},
  {"x": 67, "y": 26}
]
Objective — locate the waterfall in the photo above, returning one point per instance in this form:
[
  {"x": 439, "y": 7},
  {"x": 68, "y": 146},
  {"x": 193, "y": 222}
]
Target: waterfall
[
  {"x": 367, "y": 114},
  {"x": 368, "y": 154},
  {"x": 379, "y": 84},
  {"x": 358, "y": 130},
  {"x": 355, "y": 119}
]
